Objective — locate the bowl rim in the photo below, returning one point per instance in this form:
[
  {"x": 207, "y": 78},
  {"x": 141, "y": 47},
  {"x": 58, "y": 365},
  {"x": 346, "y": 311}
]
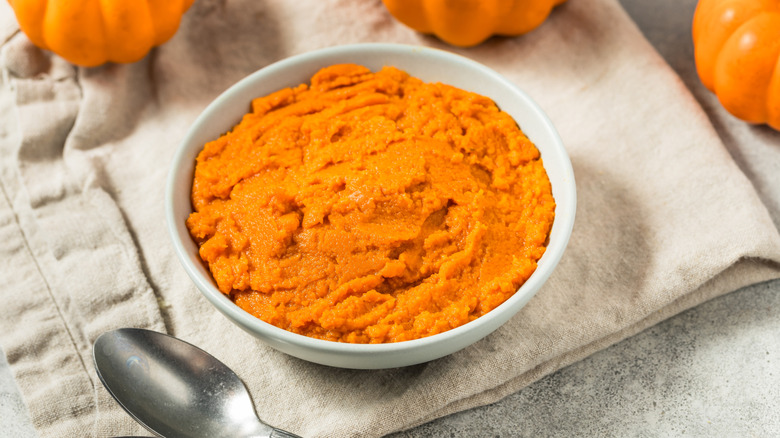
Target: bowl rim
[{"x": 563, "y": 223}]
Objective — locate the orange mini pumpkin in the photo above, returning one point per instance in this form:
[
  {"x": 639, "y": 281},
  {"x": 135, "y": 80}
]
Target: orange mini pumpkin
[
  {"x": 737, "y": 52},
  {"x": 470, "y": 22},
  {"x": 93, "y": 32}
]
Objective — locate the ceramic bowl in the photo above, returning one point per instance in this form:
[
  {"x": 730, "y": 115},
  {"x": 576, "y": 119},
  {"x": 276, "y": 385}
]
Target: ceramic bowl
[{"x": 430, "y": 65}]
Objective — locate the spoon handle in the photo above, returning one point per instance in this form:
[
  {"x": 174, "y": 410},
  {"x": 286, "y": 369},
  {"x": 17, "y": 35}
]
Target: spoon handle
[{"x": 279, "y": 433}]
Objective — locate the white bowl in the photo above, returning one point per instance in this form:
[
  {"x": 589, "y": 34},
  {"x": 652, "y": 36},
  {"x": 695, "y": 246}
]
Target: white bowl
[{"x": 430, "y": 65}]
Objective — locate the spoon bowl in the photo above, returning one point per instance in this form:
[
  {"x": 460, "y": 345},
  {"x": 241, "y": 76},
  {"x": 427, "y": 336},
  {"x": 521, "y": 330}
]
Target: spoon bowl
[{"x": 175, "y": 389}]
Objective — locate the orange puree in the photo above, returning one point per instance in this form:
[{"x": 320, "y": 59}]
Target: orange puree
[{"x": 371, "y": 207}]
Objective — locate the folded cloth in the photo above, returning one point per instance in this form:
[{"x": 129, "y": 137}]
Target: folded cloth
[{"x": 665, "y": 219}]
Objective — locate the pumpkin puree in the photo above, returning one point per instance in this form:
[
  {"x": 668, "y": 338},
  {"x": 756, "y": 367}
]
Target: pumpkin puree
[{"x": 371, "y": 207}]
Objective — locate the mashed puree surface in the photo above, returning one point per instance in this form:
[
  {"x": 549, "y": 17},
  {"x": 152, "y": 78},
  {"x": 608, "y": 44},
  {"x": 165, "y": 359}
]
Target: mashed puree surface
[{"x": 371, "y": 207}]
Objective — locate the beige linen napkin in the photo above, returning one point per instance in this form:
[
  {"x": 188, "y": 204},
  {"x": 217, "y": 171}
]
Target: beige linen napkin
[{"x": 665, "y": 219}]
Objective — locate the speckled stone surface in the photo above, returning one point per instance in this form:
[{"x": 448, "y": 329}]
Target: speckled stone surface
[
  {"x": 13, "y": 414},
  {"x": 711, "y": 371}
]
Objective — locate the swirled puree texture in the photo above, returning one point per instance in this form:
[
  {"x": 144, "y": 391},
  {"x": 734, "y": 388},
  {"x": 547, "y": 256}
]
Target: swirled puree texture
[{"x": 371, "y": 207}]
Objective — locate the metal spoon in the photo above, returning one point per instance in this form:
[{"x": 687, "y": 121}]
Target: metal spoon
[{"x": 175, "y": 389}]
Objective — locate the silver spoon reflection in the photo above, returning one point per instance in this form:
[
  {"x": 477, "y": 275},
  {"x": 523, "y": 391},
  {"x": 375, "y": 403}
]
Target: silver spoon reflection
[{"x": 175, "y": 389}]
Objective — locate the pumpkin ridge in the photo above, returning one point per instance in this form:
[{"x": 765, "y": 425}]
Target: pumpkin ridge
[
  {"x": 773, "y": 89},
  {"x": 737, "y": 56},
  {"x": 739, "y": 83},
  {"x": 30, "y": 27},
  {"x": 467, "y": 23},
  {"x": 102, "y": 24},
  {"x": 93, "y": 32},
  {"x": 521, "y": 20},
  {"x": 773, "y": 101}
]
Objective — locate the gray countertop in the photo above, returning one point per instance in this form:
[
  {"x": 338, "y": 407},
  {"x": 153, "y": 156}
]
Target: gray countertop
[{"x": 711, "y": 371}]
